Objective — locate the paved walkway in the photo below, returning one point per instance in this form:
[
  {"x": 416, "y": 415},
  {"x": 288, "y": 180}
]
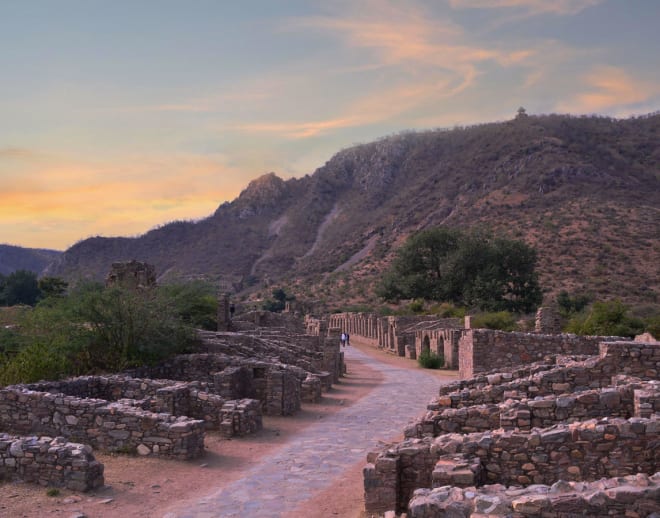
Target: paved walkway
[{"x": 323, "y": 451}]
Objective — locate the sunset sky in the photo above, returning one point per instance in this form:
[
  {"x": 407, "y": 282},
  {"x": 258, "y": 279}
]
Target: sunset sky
[{"x": 120, "y": 115}]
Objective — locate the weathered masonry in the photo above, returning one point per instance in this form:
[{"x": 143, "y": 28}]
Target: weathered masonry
[
  {"x": 521, "y": 440},
  {"x": 471, "y": 351},
  {"x": 49, "y": 462}
]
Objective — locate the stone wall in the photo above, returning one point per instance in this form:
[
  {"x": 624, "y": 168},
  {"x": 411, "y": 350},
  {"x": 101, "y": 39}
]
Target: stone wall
[
  {"x": 396, "y": 335},
  {"x": 442, "y": 341},
  {"x": 634, "y": 358},
  {"x": 240, "y": 418},
  {"x": 584, "y": 451},
  {"x": 155, "y": 395},
  {"x": 105, "y": 426},
  {"x": 276, "y": 385},
  {"x": 634, "y": 399},
  {"x": 483, "y": 350},
  {"x": 131, "y": 275},
  {"x": 532, "y": 426},
  {"x": 49, "y": 462},
  {"x": 630, "y": 496}
]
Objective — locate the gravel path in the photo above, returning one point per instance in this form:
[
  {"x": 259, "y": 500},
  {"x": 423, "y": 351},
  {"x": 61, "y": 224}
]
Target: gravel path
[{"x": 323, "y": 451}]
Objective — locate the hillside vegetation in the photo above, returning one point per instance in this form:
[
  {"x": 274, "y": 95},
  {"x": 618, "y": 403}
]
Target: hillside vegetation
[
  {"x": 14, "y": 258},
  {"x": 584, "y": 191}
]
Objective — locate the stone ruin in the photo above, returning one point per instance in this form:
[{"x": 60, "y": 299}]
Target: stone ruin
[
  {"x": 165, "y": 410},
  {"x": 539, "y": 424},
  {"x": 132, "y": 275},
  {"x": 566, "y": 438}
]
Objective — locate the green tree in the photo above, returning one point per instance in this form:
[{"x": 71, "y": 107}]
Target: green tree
[
  {"x": 571, "y": 304},
  {"x": 278, "y": 301},
  {"x": 52, "y": 286},
  {"x": 95, "y": 329},
  {"x": 20, "y": 287},
  {"x": 194, "y": 302},
  {"x": 470, "y": 269}
]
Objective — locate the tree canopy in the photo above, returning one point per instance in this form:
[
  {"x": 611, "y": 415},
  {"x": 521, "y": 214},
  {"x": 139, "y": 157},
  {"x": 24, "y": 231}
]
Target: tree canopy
[
  {"x": 19, "y": 287},
  {"x": 473, "y": 269}
]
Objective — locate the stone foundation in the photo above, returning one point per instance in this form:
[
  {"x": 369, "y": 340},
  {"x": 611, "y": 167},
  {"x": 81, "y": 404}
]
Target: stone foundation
[
  {"x": 49, "y": 462},
  {"x": 631, "y": 496}
]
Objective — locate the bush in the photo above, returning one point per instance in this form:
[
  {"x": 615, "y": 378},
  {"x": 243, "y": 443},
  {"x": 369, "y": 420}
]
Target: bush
[
  {"x": 500, "y": 320},
  {"x": 447, "y": 310},
  {"x": 97, "y": 330},
  {"x": 431, "y": 360},
  {"x": 606, "y": 319}
]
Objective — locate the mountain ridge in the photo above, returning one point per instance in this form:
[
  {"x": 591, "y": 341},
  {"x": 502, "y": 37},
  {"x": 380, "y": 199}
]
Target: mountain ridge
[{"x": 584, "y": 190}]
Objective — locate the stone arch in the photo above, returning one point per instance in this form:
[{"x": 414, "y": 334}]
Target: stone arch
[{"x": 426, "y": 345}]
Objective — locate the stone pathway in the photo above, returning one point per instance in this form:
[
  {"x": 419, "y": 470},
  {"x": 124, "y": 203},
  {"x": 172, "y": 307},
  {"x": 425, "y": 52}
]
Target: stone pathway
[{"x": 323, "y": 451}]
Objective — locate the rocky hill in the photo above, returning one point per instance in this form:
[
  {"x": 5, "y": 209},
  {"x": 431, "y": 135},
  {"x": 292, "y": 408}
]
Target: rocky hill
[
  {"x": 585, "y": 191},
  {"x": 14, "y": 258}
]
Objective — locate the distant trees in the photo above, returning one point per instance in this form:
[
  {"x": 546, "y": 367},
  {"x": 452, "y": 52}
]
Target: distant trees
[
  {"x": 278, "y": 301},
  {"x": 473, "y": 269},
  {"x": 19, "y": 287}
]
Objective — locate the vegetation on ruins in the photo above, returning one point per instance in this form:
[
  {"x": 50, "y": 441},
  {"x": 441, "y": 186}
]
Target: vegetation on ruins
[
  {"x": 95, "y": 329},
  {"x": 500, "y": 320},
  {"x": 431, "y": 360},
  {"x": 611, "y": 318},
  {"x": 473, "y": 269}
]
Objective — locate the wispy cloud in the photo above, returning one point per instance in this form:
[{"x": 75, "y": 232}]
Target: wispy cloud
[
  {"x": 609, "y": 88},
  {"x": 429, "y": 58},
  {"x": 532, "y": 7}
]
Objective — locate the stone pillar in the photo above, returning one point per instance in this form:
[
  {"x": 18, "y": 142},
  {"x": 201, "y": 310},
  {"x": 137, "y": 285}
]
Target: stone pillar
[
  {"x": 224, "y": 320},
  {"x": 547, "y": 321}
]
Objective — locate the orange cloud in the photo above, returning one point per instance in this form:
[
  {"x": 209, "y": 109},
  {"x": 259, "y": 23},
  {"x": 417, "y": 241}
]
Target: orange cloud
[{"x": 609, "y": 87}]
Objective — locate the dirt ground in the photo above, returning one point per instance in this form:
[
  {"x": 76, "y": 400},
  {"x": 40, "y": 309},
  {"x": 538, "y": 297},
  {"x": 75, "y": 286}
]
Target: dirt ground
[{"x": 151, "y": 487}]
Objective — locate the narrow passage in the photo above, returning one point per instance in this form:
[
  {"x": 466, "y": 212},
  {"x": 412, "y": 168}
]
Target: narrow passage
[{"x": 320, "y": 453}]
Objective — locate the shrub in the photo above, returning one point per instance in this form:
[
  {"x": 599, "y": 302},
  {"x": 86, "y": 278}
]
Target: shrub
[
  {"x": 431, "y": 360},
  {"x": 610, "y": 318},
  {"x": 500, "y": 320}
]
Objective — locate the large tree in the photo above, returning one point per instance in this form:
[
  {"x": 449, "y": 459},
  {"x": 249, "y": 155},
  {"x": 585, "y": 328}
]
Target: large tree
[{"x": 473, "y": 269}]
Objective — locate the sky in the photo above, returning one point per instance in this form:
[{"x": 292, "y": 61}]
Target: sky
[{"x": 118, "y": 116}]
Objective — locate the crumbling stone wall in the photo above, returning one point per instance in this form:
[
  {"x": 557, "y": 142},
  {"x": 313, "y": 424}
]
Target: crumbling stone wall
[
  {"x": 533, "y": 426},
  {"x": 49, "y": 462},
  {"x": 634, "y": 399},
  {"x": 482, "y": 350},
  {"x": 633, "y": 358},
  {"x": 276, "y": 385},
  {"x": 155, "y": 395},
  {"x": 584, "y": 451},
  {"x": 240, "y": 418},
  {"x": 632, "y": 495},
  {"x": 547, "y": 321},
  {"x": 132, "y": 275},
  {"x": 105, "y": 426}
]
